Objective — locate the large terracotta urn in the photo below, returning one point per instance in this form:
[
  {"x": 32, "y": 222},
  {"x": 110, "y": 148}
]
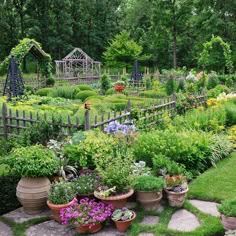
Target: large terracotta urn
[{"x": 32, "y": 193}]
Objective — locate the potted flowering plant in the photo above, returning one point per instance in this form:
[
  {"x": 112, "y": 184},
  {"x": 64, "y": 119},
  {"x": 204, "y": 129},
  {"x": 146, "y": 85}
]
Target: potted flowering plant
[
  {"x": 123, "y": 218},
  {"x": 86, "y": 216},
  {"x": 119, "y": 86},
  {"x": 176, "y": 189}
]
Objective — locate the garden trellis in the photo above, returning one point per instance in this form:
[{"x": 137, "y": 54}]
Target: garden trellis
[{"x": 77, "y": 64}]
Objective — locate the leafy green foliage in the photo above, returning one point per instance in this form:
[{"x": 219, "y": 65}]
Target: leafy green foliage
[
  {"x": 148, "y": 183},
  {"x": 170, "y": 85},
  {"x": 44, "y": 91},
  {"x": 153, "y": 94},
  {"x": 63, "y": 92},
  {"x": 122, "y": 214},
  {"x": 20, "y": 51},
  {"x": 50, "y": 81},
  {"x": 228, "y": 208},
  {"x": 215, "y": 92},
  {"x": 32, "y": 161},
  {"x": 61, "y": 192},
  {"x": 122, "y": 51},
  {"x": 105, "y": 83},
  {"x": 83, "y": 87},
  {"x": 85, "y": 94}
]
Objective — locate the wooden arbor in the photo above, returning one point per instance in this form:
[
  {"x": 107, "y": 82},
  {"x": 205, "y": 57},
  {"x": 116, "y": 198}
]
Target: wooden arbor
[{"x": 77, "y": 64}]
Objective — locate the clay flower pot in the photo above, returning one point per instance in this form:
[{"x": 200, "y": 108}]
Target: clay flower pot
[
  {"x": 56, "y": 209},
  {"x": 118, "y": 201},
  {"x": 32, "y": 193},
  {"x": 176, "y": 199},
  {"x": 88, "y": 228},
  {"x": 149, "y": 200},
  {"x": 122, "y": 226},
  {"x": 229, "y": 223},
  {"x": 119, "y": 87}
]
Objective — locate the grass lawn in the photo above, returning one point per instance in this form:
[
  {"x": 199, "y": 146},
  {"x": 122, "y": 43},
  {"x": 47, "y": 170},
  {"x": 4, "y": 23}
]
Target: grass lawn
[{"x": 218, "y": 183}]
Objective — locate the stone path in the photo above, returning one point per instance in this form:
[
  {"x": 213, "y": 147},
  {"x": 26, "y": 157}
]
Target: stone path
[
  {"x": 5, "y": 230},
  {"x": 206, "y": 207},
  {"x": 181, "y": 220}
]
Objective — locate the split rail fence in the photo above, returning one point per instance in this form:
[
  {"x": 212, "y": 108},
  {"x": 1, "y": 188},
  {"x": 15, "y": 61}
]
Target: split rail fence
[{"x": 12, "y": 122}]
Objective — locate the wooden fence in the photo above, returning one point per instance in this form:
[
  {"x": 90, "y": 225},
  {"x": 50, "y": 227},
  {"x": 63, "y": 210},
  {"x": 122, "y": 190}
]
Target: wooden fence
[{"x": 13, "y": 122}]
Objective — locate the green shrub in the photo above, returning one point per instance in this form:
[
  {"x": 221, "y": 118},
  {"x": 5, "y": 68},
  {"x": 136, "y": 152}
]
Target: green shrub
[
  {"x": 44, "y": 91},
  {"x": 85, "y": 94},
  {"x": 120, "y": 106},
  {"x": 207, "y": 120},
  {"x": 228, "y": 208},
  {"x": 215, "y": 92},
  {"x": 189, "y": 148},
  {"x": 148, "y": 183},
  {"x": 153, "y": 94},
  {"x": 33, "y": 161},
  {"x": 91, "y": 148},
  {"x": 110, "y": 91},
  {"x": 50, "y": 82},
  {"x": 83, "y": 87},
  {"x": 29, "y": 89},
  {"x": 105, "y": 83},
  {"x": 170, "y": 85},
  {"x": 63, "y": 92},
  {"x": 8, "y": 197},
  {"x": 230, "y": 109},
  {"x": 213, "y": 81}
]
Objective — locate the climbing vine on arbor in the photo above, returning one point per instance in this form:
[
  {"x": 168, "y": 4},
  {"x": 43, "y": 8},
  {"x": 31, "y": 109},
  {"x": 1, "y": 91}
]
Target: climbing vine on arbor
[
  {"x": 21, "y": 50},
  {"x": 208, "y": 46}
]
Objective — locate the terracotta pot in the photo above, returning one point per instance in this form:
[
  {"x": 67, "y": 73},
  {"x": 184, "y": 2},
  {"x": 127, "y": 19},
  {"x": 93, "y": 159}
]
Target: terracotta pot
[
  {"x": 149, "y": 200},
  {"x": 122, "y": 226},
  {"x": 56, "y": 209},
  {"x": 119, "y": 87},
  {"x": 229, "y": 223},
  {"x": 32, "y": 193},
  {"x": 118, "y": 201},
  {"x": 88, "y": 229},
  {"x": 176, "y": 199}
]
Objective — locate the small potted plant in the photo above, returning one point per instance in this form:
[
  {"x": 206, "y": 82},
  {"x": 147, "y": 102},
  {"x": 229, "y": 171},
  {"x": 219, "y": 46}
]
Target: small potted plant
[
  {"x": 123, "y": 218},
  {"x": 116, "y": 178},
  {"x": 119, "y": 86},
  {"x": 60, "y": 196},
  {"x": 85, "y": 185},
  {"x": 149, "y": 191},
  {"x": 86, "y": 216},
  {"x": 228, "y": 214},
  {"x": 176, "y": 189},
  {"x": 33, "y": 164}
]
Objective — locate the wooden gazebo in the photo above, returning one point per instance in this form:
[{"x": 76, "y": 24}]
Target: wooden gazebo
[{"x": 77, "y": 64}]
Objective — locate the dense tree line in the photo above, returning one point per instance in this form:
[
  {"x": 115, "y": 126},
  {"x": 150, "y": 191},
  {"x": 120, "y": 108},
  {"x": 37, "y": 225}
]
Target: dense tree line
[{"x": 172, "y": 32}]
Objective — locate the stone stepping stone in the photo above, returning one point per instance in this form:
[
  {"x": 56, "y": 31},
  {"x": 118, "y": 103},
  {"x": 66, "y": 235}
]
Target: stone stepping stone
[
  {"x": 183, "y": 220},
  {"x": 5, "y": 230},
  {"x": 206, "y": 207},
  {"x": 150, "y": 220},
  {"x": 146, "y": 234},
  {"x": 19, "y": 216},
  {"x": 108, "y": 231},
  {"x": 50, "y": 228}
]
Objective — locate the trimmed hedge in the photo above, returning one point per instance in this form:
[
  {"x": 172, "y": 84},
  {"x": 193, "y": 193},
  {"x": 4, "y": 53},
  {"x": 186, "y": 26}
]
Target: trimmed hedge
[
  {"x": 83, "y": 87},
  {"x": 44, "y": 91},
  {"x": 8, "y": 197},
  {"x": 85, "y": 94}
]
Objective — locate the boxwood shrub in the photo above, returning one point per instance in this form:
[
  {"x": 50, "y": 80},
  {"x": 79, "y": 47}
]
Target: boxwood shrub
[
  {"x": 44, "y": 91},
  {"x": 85, "y": 94},
  {"x": 83, "y": 87}
]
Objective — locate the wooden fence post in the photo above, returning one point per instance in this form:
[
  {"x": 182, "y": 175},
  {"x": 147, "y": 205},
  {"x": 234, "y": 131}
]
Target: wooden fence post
[
  {"x": 129, "y": 108},
  {"x": 174, "y": 98},
  {"x": 87, "y": 120},
  {"x": 4, "y": 119}
]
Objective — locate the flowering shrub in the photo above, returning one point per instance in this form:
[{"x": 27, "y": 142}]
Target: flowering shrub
[
  {"x": 115, "y": 127},
  {"x": 87, "y": 212}
]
